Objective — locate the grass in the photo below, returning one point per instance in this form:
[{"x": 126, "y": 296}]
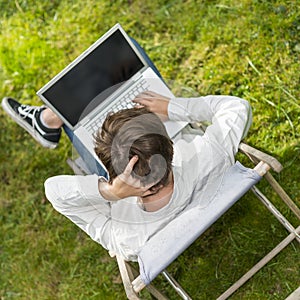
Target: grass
[{"x": 245, "y": 48}]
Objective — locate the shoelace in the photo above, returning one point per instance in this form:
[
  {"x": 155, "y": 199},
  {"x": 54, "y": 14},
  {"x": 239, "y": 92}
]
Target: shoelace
[{"x": 29, "y": 112}]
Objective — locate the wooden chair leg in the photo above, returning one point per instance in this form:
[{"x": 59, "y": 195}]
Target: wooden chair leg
[
  {"x": 127, "y": 277},
  {"x": 283, "y": 195},
  {"x": 128, "y": 273},
  {"x": 259, "y": 265},
  {"x": 295, "y": 295},
  {"x": 276, "y": 213}
]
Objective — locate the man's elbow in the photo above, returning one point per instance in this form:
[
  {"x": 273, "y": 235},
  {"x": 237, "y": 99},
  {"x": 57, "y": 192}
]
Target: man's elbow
[
  {"x": 50, "y": 191},
  {"x": 247, "y": 116}
]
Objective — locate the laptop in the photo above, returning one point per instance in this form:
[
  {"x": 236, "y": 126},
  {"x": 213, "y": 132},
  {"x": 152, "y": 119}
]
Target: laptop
[{"x": 104, "y": 78}]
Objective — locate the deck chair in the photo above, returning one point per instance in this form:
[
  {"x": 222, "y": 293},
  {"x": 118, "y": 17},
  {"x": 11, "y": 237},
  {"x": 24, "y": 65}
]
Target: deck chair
[{"x": 165, "y": 246}]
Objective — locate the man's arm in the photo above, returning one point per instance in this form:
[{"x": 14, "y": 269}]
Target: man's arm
[
  {"x": 230, "y": 117},
  {"x": 78, "y": 198},
  {"x": 124, "y": 185},
  {"x": 85, "y": 199}
]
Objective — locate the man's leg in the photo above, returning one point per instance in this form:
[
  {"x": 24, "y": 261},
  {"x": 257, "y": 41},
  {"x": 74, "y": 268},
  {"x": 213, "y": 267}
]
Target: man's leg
[
  {"x": 51, "y": 119},
  {"x": 34, "y": 119},
  {"x": 91, "y": 163},
  {"x": 146, "y": 57},
  {"x": 45, "y": 127}
]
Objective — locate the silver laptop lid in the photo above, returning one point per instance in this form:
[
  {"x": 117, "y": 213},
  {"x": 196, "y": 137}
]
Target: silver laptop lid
[{"x": 94, "y": 75}]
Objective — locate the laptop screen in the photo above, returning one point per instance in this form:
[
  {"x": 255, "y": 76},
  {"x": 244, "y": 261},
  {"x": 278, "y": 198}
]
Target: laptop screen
[{"x": 94, "y": 78}]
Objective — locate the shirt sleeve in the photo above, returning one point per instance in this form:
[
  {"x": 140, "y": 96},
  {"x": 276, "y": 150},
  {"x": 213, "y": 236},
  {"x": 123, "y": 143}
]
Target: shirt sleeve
[
  {"x": 78, "y": 198},
  {"x": 230, "y": 117}
]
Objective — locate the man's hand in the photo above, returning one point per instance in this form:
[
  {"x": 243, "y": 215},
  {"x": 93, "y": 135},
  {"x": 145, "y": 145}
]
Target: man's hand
[
  {"x": 124, "y": 185},
  {"x": 156, "y": 103}
]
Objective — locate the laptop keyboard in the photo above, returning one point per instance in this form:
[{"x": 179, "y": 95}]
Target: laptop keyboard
[{"x": 125, "y": 101}]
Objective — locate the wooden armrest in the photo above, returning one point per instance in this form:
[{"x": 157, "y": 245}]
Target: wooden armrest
[
  {"x": 261, "y": 156},
  {"x": 138, "y": 284}
]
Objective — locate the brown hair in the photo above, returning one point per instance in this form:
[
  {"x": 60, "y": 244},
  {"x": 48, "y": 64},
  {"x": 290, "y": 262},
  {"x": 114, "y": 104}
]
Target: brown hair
[{"x": 135, "y": 131}]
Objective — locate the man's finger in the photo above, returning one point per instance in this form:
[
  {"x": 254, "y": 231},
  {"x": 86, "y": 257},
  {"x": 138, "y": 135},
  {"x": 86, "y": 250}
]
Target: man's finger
[
  {"x": 147, "y": 94},
  {"x": 130, "y": 165},
  {"x": 142, "y": 99},
  {"x": 147, "y": 193},
  {"x": 139, "y": 106}
]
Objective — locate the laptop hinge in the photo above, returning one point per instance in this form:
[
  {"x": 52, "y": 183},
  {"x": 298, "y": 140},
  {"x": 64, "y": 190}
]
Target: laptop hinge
[{"x": 103, "y": 107}]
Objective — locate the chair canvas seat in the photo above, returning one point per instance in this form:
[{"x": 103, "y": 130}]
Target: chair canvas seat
[{"x": 166, "y": 245}]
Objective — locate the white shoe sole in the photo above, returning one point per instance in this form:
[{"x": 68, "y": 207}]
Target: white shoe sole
[{"x": 45, "y": 143}]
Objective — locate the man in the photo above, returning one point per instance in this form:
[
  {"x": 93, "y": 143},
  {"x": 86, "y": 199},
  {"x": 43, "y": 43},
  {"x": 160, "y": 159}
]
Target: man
[{"x": 145, "y": 192}]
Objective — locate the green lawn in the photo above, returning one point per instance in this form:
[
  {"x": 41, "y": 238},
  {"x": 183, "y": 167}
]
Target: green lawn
[{"x": 244, "y": 48}]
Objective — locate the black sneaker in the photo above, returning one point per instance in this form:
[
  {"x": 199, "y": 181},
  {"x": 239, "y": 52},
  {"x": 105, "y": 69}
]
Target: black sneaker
[{"x": 28, "y": 117}]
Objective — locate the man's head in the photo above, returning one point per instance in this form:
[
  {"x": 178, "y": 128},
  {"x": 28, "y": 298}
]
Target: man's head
[{"x": 138, "y": 132}]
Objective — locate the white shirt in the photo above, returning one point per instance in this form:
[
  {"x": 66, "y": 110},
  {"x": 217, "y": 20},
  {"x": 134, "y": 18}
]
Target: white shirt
[{"x": 199, "y": 163}]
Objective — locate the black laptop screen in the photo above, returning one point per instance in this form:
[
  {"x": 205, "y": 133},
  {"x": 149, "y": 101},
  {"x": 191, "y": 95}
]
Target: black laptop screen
[{"x": 94, "y": 78}]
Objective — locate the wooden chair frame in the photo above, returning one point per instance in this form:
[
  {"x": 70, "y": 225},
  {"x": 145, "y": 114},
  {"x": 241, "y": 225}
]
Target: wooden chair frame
[{"x": 263, "y": 163}]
